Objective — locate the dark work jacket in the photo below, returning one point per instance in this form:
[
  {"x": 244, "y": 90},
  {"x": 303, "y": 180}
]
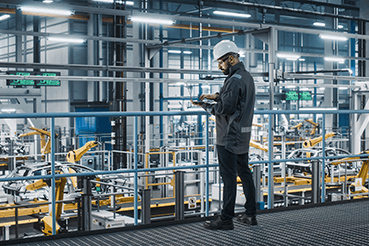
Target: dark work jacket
[{"x": 234, "y": 110}]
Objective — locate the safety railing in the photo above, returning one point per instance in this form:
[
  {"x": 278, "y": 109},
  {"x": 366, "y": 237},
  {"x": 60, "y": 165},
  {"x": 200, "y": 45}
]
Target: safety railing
[{"x": 135, "y": 171}]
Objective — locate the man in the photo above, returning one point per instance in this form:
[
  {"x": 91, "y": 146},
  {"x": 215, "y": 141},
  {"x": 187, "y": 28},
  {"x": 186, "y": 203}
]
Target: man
[{"x": 234, "y": 109}]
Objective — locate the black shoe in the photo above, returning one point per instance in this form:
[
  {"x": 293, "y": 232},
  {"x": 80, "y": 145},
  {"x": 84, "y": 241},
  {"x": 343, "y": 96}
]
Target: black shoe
[
  {"x": 250, "y": 220},
  {"x": 219, "y": 224}
]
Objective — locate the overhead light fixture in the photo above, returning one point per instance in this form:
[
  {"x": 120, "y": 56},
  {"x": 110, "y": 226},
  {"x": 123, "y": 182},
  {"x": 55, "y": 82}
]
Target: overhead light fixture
[
  {"x": 187, "y": 52},
  {"x": 130, "y": 3},
  {"x": 151, "y": 20},
  {"x": 217, "y": 12},
  {"x": 66, "y": 40},
  {"x": 8, "y": 110},
  {"x": 340, "y": 26},
  {"x": 288, "y": 56},
  {"x": 335, "y": 59},
  {"x": 4, "y": 17},
  {"x": 51, "y": 11},
  {"x": 333, "y": 37},
  {"x": 321, "y": 24},
  {"x": 174, "y": 51},
  {"x": 301, "y": 59},
  {"x": 47, "y": 1}
]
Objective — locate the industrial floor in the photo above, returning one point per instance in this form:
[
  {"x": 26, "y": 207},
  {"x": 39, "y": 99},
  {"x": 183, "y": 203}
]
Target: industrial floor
[{"x": 340, "y": 224}]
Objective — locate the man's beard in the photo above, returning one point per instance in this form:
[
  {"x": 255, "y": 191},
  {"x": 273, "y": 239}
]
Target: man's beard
[{"x": 226, "y": 71}]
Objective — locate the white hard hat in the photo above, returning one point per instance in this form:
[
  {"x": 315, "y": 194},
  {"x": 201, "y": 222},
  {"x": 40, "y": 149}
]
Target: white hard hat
[{"x": 224, "y": 47}]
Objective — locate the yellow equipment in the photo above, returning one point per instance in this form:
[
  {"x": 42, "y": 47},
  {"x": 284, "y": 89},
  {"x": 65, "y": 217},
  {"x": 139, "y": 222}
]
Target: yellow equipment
[
  {"x": 363, "y": 173},
  {"x": 45, "y": 145},
  {"x": 258, "y": 146},
  {"x": 312, "y": 142},
  {"x": 59, "y": 195},
  {"x": 76, "y": 155},
  {"x": 298, "y": 126},
  {"x": 315, "y": 125}
]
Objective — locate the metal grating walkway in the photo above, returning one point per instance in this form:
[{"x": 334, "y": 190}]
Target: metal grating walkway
[{"x": 342, "y": 224}]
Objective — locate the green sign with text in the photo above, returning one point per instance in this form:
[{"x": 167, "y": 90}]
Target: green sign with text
[
  {"x": 31, "y": 82},
  {"x": 294, "y": 95}
]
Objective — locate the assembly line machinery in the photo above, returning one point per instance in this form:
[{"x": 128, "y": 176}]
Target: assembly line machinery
[{"x": 102, "y": 199}]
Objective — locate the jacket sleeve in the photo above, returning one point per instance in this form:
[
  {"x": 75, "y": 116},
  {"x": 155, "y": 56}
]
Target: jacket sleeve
[{"x": 226, "y": 101}]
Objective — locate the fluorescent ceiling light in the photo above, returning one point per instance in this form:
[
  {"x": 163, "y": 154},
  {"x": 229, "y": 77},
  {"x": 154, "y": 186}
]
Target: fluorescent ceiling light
[
  {"x": 333, "y": 37},
  {"x": 187, "y": 52},
  {"x": 334, "y": 59},
  {"x": 51, "y": 11},
  {"x": 151, "y": 20},
  {"x": 291, "y": 58},
  {"x": 340, "y": 26},
  {"x": 319, "y": 24},
  {"x": 174, "y": 51},
  {"x": 301, "y": 59},
  {"x": 8, "y": 110},
  {"x": 67, "y": 40},
  {"x": 130, "y": 3},
  {"x": 4, "y": 17},
  {"x": 288, "y": 56},
  {"x": 217, "y": 12},
  {"x": 47, "y": 1}
]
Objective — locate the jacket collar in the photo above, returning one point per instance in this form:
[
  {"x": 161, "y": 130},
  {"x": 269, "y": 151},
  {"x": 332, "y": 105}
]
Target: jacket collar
[{"x": 234, "y": 68}]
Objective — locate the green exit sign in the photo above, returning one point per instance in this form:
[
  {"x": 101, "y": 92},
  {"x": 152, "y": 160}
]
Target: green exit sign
[
  {"x": 294, "y": 95},
  {"x": 20, "y": 82},
  {"x": 48, "y": 82},
  {"x": 31, "y": 82}
]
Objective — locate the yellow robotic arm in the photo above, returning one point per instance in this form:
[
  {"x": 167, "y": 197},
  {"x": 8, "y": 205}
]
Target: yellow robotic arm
[
  {"x": 59, "y": 195},
  {"x": 363, "y": 173},
  {"x": 76, "y": 155},
  {"x": 45, "y": 146},
  {"x": 312, "y": 142},
  {"x": 314, "y": 124},
  {"x": 298, "y": 126},
  {"x": 258, "y": 146}
]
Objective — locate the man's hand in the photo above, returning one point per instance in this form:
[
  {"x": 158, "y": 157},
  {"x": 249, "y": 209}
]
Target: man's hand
[
  {"x": 196, "y": 103},
  {"x": 208, "y": 96}
]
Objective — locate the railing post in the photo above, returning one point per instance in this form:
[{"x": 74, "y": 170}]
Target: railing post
[
  {"x": 179, "y": 195},
  {"x": 207, "y": 164},
  {"x": 135, "y": 201},
  {"x": 145, "y": 206},
  {"x": 53, "y": 187},
  {"x": 315, "y": 182},
  {"x": 270, "y": 164},
  {"x": 256, "y": 171},
  {"x": 323, "y": 160},
  {"x": 86, "y": 204},
  {"x": 16, "y": 223}
]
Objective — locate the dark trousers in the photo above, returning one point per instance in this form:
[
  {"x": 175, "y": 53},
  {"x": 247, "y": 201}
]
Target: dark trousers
[{"x": 229, "y": 166}]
